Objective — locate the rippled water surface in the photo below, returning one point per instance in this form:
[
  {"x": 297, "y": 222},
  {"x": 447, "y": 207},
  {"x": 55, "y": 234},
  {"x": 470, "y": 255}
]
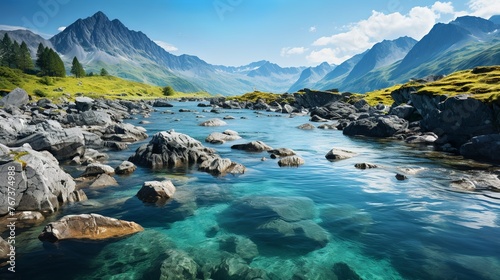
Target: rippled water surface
[{"x": 380, "y": 227}]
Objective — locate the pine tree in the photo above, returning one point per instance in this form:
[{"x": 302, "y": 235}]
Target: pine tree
[
  {"x": 5, "y": 49},
  {"x": 49, "y": 62},
  {"x": 77, "y": 68},
  {"x": 14, "y": 55},
  {"x": 104, "y": 72},
  {"x": 41, "y": 60},
  {"x": 25, "y": 62}
]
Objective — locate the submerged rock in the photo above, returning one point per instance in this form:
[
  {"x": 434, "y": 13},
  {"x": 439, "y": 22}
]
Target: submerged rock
[
  {"x": 306, "y": 126},
  {"x": 343, "y": 271},
  {"x": 242, "y": 246},
  {"x": 87, "y": 226},
  {"x": 178, "y": 266}
]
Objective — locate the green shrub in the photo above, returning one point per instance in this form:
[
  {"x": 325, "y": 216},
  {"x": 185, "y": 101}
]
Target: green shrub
[
  {"x": 46, "y": 80},
  {"x": 39, "y": 93}
]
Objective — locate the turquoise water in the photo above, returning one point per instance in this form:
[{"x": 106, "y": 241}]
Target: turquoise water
[{"x": 382, "y": 228}]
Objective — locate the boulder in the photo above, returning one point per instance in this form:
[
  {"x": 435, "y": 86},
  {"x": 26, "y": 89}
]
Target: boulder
[
  {"x": 84, "y": 103},
  {"x": 343, "y": 271},
  {"x": 378, "y": 126},
  {"x": 162, "y": 103},
  {"x": 213, "y": 122},
  {"x": 328, "y": 126},
  {"x": 88, "y": 118},
  {"x": 10, "y": 128},
  {"x": 104, "y": 180},
  {"x": 306, "y": 126},
  {"x": 124, "y": 132},
  {"x": 220, "y": 138},
  {"x": 63, "y": 143},
  {"x": 337, "y": 154},
  {"x": 169, "y": 149},
  {"x": 87, "y": 227},
  {"x": 345, "y": 219},
  {"x": 154, "y": 191},
  {"x": 92, "y": 156},
  {"x": 426, "y": 138},
  {"x": 242, "y": 246},
  {"x": 126, "y": 167},
  {"x": 403, "y": 111},
  {"x": 281, "y": 152},
  {"x": 483, "y": 147},
  {"x": 254, "y": 146},
  {"x": 234, "y": 268},
  {"x": 291, "y": 161},
  {"x": 178, "y": 266},
  {"x": 40, "y": 184},
  {"x": 365, "y": 165},
  {"x": 334, "y": 110},
  {"x": 401, "y": 177},
  {"x": 317, "y": 118},
  {"x": 302, "y": 235},
  {"x": 16, "y": 98},
  {"x": 221, "y": 166},
  {"x": 95, "y": 169},
  {"x": 309, "y": 99}
]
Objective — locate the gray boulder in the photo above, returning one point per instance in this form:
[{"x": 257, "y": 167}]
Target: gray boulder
[
  {"x": 178, "y": 266},
  {"x": 96, "y": 169},
  {"x": 10, "y": 127},
  {"x": 104, "y": 180},
  {"x": 281, "y": 152},
  {"x": 379, "y": 126},
  {"x": 126, "y": 167},
  {"x": 291, "y": 161},
  {"x": 220, "y": 138},
  {"x": 89, "y": 118},
  {"x": 169, "y": 149},
  {"x": 483, "y": 147},
  {"x": 403, "y": 111},
  {"x": 50, "y": 136},
  {"x": 162, "y": 103},
  {"x": 254, "y": 146},
  {"x": 221, "y": 166},
  {"x": 213, "y": 122},
  {"x": 306, "y": 126},
  {"x": 338, "y": 154},
  {"x": 154, "y": 191},
  {"x": 40, "y": 184},
  {"x": 84, "y": 103},
  {"x": 124, "y": 132},
  {"x": 426, "y": 138},
  {"x": 16, "y": 98}
]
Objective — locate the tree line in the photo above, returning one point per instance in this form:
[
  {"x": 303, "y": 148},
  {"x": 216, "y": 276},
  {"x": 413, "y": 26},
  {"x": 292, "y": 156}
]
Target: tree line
[{"x": 49, "y": 63}]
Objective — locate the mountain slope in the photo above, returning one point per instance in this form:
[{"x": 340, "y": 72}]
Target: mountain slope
[
  {"x": 334, "y": 78},
  {"x": 31, "y": 39},
  {"x": 311, "y": 76}
]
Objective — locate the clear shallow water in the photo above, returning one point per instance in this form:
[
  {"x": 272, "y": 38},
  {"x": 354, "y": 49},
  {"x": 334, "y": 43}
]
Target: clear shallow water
[{"x": 382, "y": 228}]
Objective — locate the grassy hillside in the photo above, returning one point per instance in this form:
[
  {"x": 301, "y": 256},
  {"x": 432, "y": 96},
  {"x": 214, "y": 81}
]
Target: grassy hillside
[
  {"x": 108, "y": 87},
  {"x": 482, "y": 83}
]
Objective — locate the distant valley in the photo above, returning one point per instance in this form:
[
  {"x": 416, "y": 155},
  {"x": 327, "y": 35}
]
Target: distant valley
[{"x": 98, "y": 42}]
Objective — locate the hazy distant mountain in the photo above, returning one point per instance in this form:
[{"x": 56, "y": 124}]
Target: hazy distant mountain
[
  {"x": 310, "y": 76},
  {"x": 334, "y": 78},
  {"x": 31, "y": 39},
  {"x": 495, "y": 19},
  {"x": 380, "y": 55}
]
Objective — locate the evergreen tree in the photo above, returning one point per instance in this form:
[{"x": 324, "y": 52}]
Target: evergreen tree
[
  {"x": 77, "y": 68},
  {"x": 49, "y": 62},
  {"x": 40, "y": 59},
  {"x": 25, "y": 62},
  {"x": 104, "y": 72},
  {"x": 5, "y": 50},
  {"x": 14, "y": 55}
]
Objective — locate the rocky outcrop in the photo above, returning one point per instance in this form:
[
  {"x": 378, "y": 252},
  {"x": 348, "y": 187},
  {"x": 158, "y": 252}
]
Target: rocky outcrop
[
  {"x": 84, "y": 103},
  {"x": 16, "y": 98},
  {"x": 50, "y": 136},
  {"x": 309, "y": 99},
  {"x": 87, "y": 227},
  {"x": 334, "y": 111},
  {"x": 162, "y": 103},
  {"x": 254, "y": 146},
  {"x": 484, "y": 147},
  {"x": 100, "y": 118},
  {"x": 40, "y": 184},
  {"x": 377, "y": 126},
  {"x": 154, "y": 191},
  {"x": 169, "y": 149}
]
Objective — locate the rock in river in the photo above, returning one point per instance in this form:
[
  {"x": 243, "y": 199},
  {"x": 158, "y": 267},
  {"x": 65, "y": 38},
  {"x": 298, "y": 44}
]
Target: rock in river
[
  {"x": 337, "y": 154},
  {"x": 254, "y": 146},
  {"x": 152, "y": 191},
  {"x": 88, "y": 227}
]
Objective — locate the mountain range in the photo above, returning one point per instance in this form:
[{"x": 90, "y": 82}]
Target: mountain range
[{"x": 98, "y": 42}]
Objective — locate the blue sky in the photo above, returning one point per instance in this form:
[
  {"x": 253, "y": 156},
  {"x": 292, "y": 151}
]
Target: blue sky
[{"x": 237, "y": 32}]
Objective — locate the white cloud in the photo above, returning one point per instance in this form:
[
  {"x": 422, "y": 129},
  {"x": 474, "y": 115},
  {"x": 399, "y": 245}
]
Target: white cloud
[
  {"x": 61, "y": 28},
  {"x": 312, "y": 29},
  {"x": 484, "y": 8},
  {"x": 363, "y": 34},
  {"x": 166, "y": 46},
  {"x": 11, "y": 27},
  {"x": 326, "y": 54},
  {"x": 285, "y": 52}
]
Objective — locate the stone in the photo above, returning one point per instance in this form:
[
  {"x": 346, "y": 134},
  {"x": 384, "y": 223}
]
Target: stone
[
  {"x": 40, "y": 184},
  {"x": 312, "y": 98},
  {"x": 95, "y": 169},
  {"x": 84, "y": 103},
  {"x": 178, "y": 266},
  {"x": 213, "y": 122},
  {"x": 169, "y": 149},
  {"x": 343, "y": 271},
  {"x": 282, "y": 152},
  {"x": 221, "y": 166},
  {"x": 87, "y": 227},
  {"x": 162, "y": 103},
  {"x": 338, "y": 154},
  {"x": 124, "y": 132},
  {"x": 401, "y": 177},
  {"x": 93, "y": 117},
  {"x": 379, "y": 126},
  {"x": 403, "y": 111},
  {"x": 291, "y": 161},
  {"x": 229, "y": 118},
  {"x": 365, "y": 165},
  {"x": 126, "y": 167},
  {"x": 345, "y": 219},
  {"x": 483, "y": 147},
  {"x": 306, "y": 126},
  {"x": 234, "y": 268},
  {"x": 4, "y": 250},
  {"x": 104, "y": 180},
  {"x": 242, "y": 246},
  {"x": 254, "y": 146},
  {"x": 64, "y": 144},
  {"x": 302, "y": 235},
  {"x": 426, "y": 138},
  {"x": 220, "y": 138},
  {"x": 16, "y": 98},
  {"x": 154, "y": 191},
  {"x": 317, "y": 118},
  {"x": 328, "y": 126},
  {"x": 93, "y": 156}
]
